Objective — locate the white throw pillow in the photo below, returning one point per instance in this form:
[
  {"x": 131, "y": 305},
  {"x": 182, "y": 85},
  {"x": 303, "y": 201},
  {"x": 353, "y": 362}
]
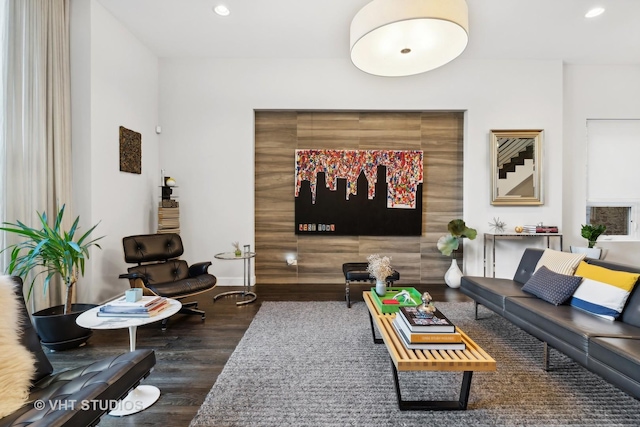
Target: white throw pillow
[
  {"x": 17, "y": 364},
  {"x": 560, "y": 262}
]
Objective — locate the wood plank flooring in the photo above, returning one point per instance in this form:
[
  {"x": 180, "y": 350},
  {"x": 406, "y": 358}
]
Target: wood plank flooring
[{"x": 191, "y": 353}]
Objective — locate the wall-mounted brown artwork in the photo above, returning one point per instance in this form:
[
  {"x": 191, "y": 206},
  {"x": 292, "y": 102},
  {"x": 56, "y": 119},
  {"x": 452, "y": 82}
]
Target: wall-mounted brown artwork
[{"x": 130, "y": 151}]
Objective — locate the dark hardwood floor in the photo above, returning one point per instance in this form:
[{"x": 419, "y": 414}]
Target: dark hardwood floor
[{"x": 191, "y": 353}]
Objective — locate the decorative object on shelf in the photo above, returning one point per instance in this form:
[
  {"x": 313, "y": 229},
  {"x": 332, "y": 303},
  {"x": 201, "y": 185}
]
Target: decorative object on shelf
[
  {"x": 387, "y": 38},
  {"x": 427, "y": 306},
  {"x": 449, "y": 243},
  {"x": 516, "y": 167},
  {"x": 497, "y": 225},
  {"x": 169, "y": 182},
  {"x": 380, "y": 268},
  {"x": 238, "y": 251},
  {"x": 519, "y": 229}
]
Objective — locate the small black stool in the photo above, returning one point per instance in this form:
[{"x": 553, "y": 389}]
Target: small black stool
[{"x": 357, "y": 272}]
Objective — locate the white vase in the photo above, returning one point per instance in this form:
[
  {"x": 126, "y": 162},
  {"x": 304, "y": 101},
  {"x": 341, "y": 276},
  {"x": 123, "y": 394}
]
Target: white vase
[
  {"x": 381, "y": 287},
  {"x": 453, "y": 275}
]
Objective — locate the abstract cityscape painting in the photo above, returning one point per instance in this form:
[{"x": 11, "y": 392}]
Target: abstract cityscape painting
[{"x": 358, "y": 192}]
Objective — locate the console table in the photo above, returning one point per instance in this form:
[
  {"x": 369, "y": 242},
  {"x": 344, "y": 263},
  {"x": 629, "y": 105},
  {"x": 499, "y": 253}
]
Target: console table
[{"x": 492, "y": 237}]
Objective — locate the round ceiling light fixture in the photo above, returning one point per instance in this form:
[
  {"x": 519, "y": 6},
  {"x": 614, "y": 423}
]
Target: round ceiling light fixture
[
  {"x": 222, "y": 10},
  {"x": 596, "y": 11},
  {"x": 404, "y": 37}
]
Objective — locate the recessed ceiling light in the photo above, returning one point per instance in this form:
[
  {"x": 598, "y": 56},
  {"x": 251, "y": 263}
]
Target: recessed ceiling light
[
  {"x": 221, "y": 10},
  {"x": 596, "y": 11}
]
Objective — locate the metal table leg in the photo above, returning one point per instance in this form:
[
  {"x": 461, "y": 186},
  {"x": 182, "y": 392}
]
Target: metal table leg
[{"x": 434, "y": 405}]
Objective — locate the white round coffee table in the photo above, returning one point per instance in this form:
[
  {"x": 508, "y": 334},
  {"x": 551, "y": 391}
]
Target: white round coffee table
[{"x": 143, "y": 396}]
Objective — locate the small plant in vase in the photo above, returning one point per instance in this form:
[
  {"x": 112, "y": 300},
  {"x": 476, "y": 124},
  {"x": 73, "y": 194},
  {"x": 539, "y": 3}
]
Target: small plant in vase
[
  {"x": 591, "y": 232},
  {"x": 237, "y": 251},
  {"x": 449, "y": 243},
  {"x": 380, "y": 268}
]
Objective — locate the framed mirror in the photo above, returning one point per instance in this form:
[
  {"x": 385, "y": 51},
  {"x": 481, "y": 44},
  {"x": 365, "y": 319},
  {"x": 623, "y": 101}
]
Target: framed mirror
[{"x": 516, "y": 170}]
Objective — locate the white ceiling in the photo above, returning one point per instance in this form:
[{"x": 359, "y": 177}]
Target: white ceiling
[{"x": 498, "y": 29}]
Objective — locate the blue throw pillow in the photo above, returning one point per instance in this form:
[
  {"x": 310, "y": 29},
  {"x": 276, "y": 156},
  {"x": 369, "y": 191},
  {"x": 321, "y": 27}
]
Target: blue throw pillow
[{"x": 552, "y": 287}]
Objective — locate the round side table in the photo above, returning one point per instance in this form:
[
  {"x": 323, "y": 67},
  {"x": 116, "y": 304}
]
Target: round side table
[
  {"x": 143, "y": 396},
  {"x": 246, "y": 256}
]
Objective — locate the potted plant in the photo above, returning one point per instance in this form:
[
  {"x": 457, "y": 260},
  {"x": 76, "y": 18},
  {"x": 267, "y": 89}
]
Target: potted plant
[
  {"x": 52, "y": 251},
  {"x": 591, "y": 232},
  {"x": 449, "y": 243}
]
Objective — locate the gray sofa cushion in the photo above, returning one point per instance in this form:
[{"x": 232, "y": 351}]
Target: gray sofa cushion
[
  {"x": 567, "y": 323},
  {"x": 623, "y": 354},
  {"x": 527, "y": 265},
  {"x": 492, "y": 292}
]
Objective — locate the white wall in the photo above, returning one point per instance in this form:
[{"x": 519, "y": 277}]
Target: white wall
[
  {"x": 595, "y": 92},
  {"x": 114, "y": 83},
  {"x": 206, "y": 111}
]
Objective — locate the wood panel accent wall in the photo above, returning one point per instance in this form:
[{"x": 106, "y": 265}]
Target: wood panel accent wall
[{"x": 279, "y": 133}]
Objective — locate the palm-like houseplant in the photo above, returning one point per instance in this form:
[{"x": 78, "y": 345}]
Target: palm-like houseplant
[{"x": 51, "y": 251}]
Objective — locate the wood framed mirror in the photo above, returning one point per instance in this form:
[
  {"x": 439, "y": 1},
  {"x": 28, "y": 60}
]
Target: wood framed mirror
[{"x": 516, "y": 170}]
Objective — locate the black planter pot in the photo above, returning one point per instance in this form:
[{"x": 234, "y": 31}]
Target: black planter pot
[{"x": 60, "y": 331}]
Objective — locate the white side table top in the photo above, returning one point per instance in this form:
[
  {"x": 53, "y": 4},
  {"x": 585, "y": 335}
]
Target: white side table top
[{"x": 90, "y": 319}]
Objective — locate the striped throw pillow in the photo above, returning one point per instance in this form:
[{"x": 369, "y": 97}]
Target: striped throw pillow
[
  {"x": 603, "y": 292},
  {"x": 560, "y": 262}
]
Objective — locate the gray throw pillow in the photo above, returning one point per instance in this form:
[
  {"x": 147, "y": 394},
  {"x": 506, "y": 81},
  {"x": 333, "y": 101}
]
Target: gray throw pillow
[{"x": 552, "y": 287}]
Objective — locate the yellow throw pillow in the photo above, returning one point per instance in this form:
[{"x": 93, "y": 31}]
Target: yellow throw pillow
[
  {"x": 621, "y": 279},
  {"x": 560, "y": 262}
]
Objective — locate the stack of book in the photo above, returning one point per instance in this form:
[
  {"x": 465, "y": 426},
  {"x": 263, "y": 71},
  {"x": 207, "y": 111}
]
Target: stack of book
[
  {"x": 419, "y": 332},
  {"x": 533, "y": 229},
  {"x": 547, "y": 229},
  {"x": 148, "y": 306},
  {"x": 168, "y": 220}
]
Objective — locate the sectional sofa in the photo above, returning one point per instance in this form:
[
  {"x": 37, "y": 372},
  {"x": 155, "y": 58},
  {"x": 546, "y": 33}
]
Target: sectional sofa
[{"x": 610, "y": 348}]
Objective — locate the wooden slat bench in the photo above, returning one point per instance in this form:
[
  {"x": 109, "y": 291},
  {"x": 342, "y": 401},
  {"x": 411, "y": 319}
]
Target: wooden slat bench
[{"x": 473, "y": 358}]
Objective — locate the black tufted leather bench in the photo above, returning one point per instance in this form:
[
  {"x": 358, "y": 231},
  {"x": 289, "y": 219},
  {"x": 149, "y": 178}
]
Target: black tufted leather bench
[
  {"x": 357, "y": 272},
  {"x": 79, "y": 396}
]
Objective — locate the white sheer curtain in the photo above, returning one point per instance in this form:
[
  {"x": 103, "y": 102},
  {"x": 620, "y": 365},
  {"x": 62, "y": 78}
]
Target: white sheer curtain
[{"x": 35, "y": 143}]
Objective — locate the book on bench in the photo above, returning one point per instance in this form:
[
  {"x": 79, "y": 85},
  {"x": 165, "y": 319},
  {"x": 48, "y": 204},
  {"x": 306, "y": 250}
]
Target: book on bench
[
  {"x": 418, "y": 321},
  {"x": 424, "y": 346},
  {"x": 428, "y": 337}
]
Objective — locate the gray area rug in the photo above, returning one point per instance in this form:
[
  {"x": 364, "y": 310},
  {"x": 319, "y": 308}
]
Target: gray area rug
[{"x": 315, "y": 364}]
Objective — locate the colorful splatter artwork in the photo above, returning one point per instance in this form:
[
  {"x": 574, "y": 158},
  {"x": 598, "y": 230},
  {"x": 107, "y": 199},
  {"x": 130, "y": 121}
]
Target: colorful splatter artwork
[{"x": 404, "y": 172}]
